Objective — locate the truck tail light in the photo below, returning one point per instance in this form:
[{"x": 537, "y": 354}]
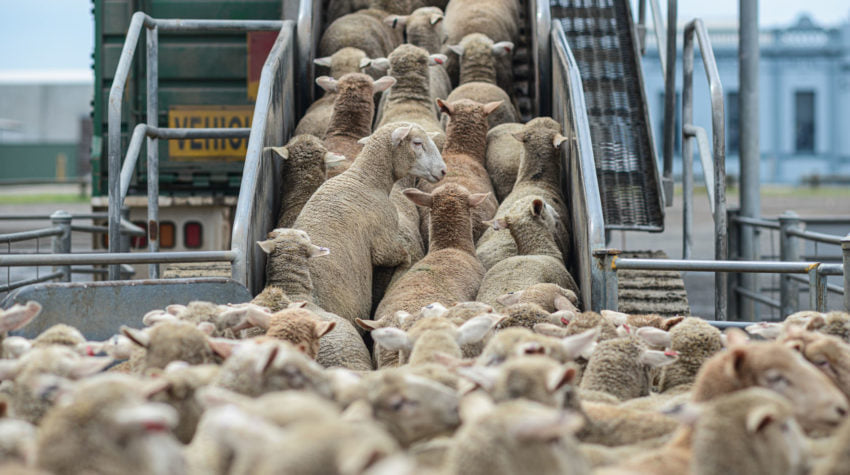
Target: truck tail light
[
  {"x": 139, "y": 242},
  {"x": 193, "y": 235},
  {"x": 166, "y": 235}
]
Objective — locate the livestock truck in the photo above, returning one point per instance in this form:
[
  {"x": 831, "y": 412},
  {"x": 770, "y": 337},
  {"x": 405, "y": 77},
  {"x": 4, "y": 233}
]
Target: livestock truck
[{"x": 191, "y": 95}]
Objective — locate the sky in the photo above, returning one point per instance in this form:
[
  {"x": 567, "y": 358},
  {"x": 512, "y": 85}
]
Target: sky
[{"x": 57, "y": 35}]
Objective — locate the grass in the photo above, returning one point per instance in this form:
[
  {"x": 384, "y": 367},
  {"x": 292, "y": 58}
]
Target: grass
[{"x": 35, "y": 198}]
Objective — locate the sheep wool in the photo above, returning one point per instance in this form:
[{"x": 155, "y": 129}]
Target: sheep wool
[
  {"x": 695, "y": 341},
  {"x": 485, "y": 93},
  {"x": 503, "y": 157},
  {"x": 304, "y": 170}
]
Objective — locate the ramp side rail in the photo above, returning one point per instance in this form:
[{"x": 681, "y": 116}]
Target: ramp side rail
[
  {"x": 579, "y": 170},
  {"x": 152, "y": 133}
]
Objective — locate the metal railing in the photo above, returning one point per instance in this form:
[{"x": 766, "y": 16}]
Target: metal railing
[
  {"x": 259, "y": 194},
  {"x": 713, "y": 158},
  {"x": 579, "y": 173},
  {"x": 539, "y": 14},
  {"x": 658, "y": 27},
  {"x": 60, "y": 234},
  {"x": 152, "y": 27},
  {"x": 789, "y": 227}
]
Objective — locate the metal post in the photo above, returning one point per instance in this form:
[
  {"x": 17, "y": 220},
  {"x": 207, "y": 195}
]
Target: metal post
[
  {"x": 750, "y": 155},
  {"x": 124, "y": 238},
  {"x": 62, "y": 242},
  {"x": 153, "y": 146},
  {"x": 687, "y": 162},
  {"x": 845, "y": 252},
  {"x": 734, "y": 309},
  {"x": 669, "y": 103},
  {"x": 788, "y": 252},
  {"x": 641, "y": 27},
  {"x": 605, "y": 258},
  {"x": 817, "y": 290}
]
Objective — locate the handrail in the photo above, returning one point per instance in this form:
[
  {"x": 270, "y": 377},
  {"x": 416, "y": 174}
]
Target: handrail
[
  {"x": 308, "y": 26},
  {"x": 94, "y": 258},
  {"x": 27, "y": 235},
  {"x": 588, "y": 223},
  {"x": 272, "y": 123},
  {"x": 153, "y": 26},
  {"x": 539, "y": 13},
  {"x": 658, "y": 26},
  {"x": 697, "y": 28}
]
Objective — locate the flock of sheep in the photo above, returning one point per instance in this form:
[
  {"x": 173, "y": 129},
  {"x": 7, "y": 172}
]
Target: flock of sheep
[{"x": 439, "y": 244}]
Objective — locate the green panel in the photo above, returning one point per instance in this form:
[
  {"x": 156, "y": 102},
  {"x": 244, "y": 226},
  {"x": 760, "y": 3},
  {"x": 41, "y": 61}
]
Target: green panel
[
  {"x": 38, "y": 160},
  {"x": 200, "y": 61},
  {"x": 217, "y": 9}
]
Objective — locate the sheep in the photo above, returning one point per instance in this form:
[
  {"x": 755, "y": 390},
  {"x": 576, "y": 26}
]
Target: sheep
[
  {"x": 38, "y": 371},
  {"x": 486, "y": 93},
  {"x": 410, "y": 407},
  {"x": 550, "y": 297},
  {"x": 296, "y": 325},
  {"x": 517, "y": 341},
  {"x": 817, "y": 403},
  {"x": 424, "y": 28},
  {"x": 498, "y": 20},
  {"x": 304, "y": 160},
  {"x": 358, "y": 30},
  {"x": 531, "y": 225},
  {"x": 254, "y": 368},
  {"x": 430, "y": 336},
  {"x": 166, "y": 342},
  {"x": 450, "y": 272},
  {"x": 281, "y": 408},
  {"x": 363, "y": 229},
  {"x": 177, "y": 386},
  {"x": 17, "y": 442},
  {"x": 17, "y": 316},
  {"x": 59, "y": 334},
  {"x": 353, "y": 111},
  {"x": 409, "y": 100},
  {"x": 620, "y": 367},
  {"x": 833, "y": 323},
  {"x": 464, "y": 156},
  {"x": 346, "y": 60},
  {"x": 106, "y": 426},
  {"x": 482, "y": 60},
  {"x": 338, "y": 8},
  {"x": 695, "y": 341},
  {"x": 503, "y": 157},
  {"x": 539, "y": 175},
  {"x": 830, "y": 354},
  {"x": 837, "y": 459},
  {"x": 517, "y": 436}
]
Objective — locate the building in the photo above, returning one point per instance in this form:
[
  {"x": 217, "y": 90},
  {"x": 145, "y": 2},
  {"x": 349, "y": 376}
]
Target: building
[
  {"x": 804, "y": 88},
  {"x": 45, "y": 125}
]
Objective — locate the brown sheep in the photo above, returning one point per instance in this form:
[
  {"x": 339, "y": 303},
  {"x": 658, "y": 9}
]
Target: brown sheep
[
  {"x": 503, "y": 157},
  {"x": 486, "y": 93},
  {"x": 358, "y": 30}
]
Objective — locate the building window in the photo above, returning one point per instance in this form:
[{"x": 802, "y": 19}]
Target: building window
[
  {"x": 804, "y": 121},
  {"x": 733, "y": 124},
  {"x": 677, "y": 141}
]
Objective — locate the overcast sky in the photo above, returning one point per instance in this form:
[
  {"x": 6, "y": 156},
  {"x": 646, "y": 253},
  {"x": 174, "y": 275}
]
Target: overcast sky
[{"x": 58, "y": 34}]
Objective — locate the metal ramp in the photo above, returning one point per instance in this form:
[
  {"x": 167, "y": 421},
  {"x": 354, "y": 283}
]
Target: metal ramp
[{"x": 602, "y": 39}]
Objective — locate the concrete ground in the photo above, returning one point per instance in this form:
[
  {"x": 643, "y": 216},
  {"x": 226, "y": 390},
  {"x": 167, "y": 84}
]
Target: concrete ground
[{"x": 700, "y": 286}]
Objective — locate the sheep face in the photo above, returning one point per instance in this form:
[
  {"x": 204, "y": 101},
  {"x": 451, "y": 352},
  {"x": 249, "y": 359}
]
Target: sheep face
[
  {"x": 295, "y": 242},
  {"x": 829, "y": 354},
  {"x": 413, "y": 147}
]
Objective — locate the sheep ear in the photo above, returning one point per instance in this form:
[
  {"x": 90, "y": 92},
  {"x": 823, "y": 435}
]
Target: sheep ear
[
  {"x": 326, "y": 61},
  {"x": 562, "y": 317},
  {"x": 519, "y": 136},
  {"x": 558, "y": 140},
  {"x": 491, "y": 106},
  {"x": 437, "y": 59},
  {"x": 383, "y": 84},
  {"x": 323, "y": 328},
  {"x": 456, "y": 49},
  {"x": 364, "y": 140},
  {"x": 759, "y": 417},
  {"x": 482, "y": 376},
  {"x": 436, "y": 18},
  {"x": 497, "y": 223},
  {"x": 687, "y": 413},
  {"x": 475, "y": 329},
  {"x": 267, "y": 246},
  {"x": 657, "y": 359},
  {"x": 156, "y": 316},
  {"x": 89, "y": 366},
  {"x": 332, "y": 159},
  {"x": 327, "y": 83},
  {"x": 503, "y": 48},
  {"x": 396, "y": 21},
  {"x": 18, "y": 315},
  {"x": 559, "y": 377},
  {"x": 365, "y": 62},
  {"x": 317, "y": 251},
  {"x": 537, "y": 207},
  {"x": 392, "y": 339},
  {"x": 509, "y": 298},
  {"x": 575, "y": 345},
  {"x": 419, "y": 197},
  {"x": 433, "y": 135},
  {"x": 259, "y": 318},
  {"x": 223, "y": 347},
  {"x": 208, "y": 328},
  {"x": 616, "y": 318},
  {"x": 736, "y": 336},
  {"x": 815, "y": 323},
  {"x": 175, "y": 308},
  {"x": 564, "y": 303},
  {"x": 9, "y": 369},
  {"x": 15, "y": 346},
  {"x": 403, "y": 316},
  {"x": 297, "y": 304},
  {"x": 654, "y": 336},
  {"x": 548, "y": 329},
  {"x": 444, "y": 106},
  {"x": 265, "y": 362},
  {"x": 139, "y": 337},
  {"x": 736, "y": 360},
  {"x": 476, "y": 199},
  {"x": 380, "y": 64},
  {"x": 367, "y": 325},
  {"x": 475, "y": 406},
  {"x": 400, "y": 134},
  {"x": 671, "y": 322}
]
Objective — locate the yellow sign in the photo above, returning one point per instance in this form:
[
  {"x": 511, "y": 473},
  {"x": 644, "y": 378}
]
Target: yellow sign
[{"x": 209, "y": 117}]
